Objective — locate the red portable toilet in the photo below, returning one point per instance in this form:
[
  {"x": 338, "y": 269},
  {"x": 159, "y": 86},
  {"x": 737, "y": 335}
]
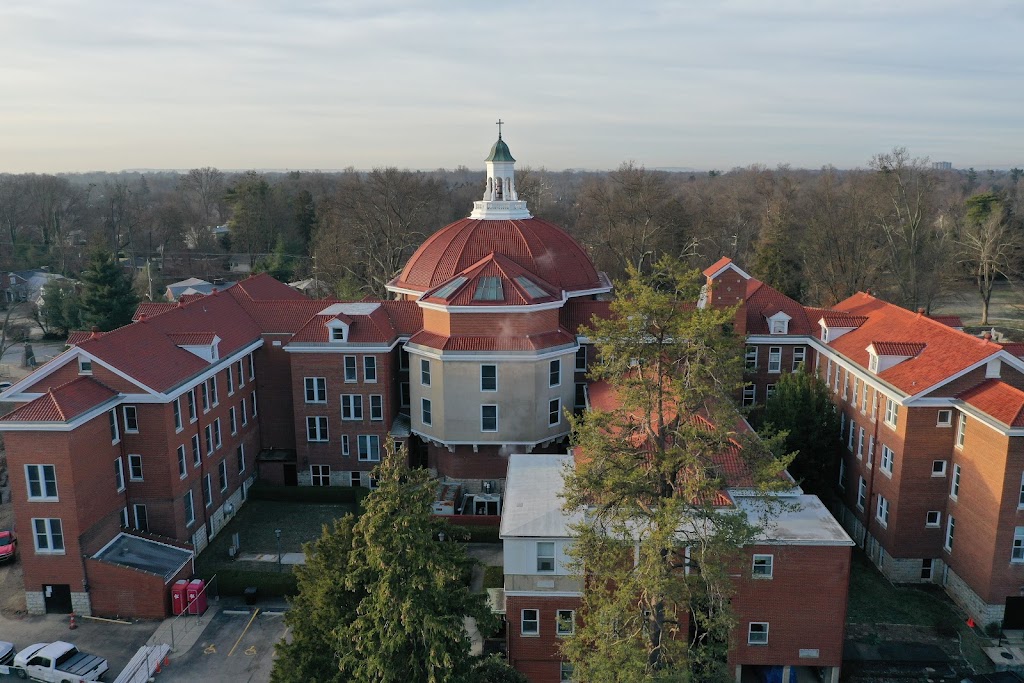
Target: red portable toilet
[
  {"x": 178, "y": 596},
  {"x": 196, "y": 597}
]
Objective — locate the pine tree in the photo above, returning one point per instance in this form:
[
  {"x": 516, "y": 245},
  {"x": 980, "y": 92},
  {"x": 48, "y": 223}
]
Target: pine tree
[
  {"x": 108, "y": 300},
  {"x": 649, "y": 477}
]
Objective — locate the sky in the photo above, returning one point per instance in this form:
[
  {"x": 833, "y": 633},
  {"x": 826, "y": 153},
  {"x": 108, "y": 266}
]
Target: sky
[{"x": 318, "y": 84}]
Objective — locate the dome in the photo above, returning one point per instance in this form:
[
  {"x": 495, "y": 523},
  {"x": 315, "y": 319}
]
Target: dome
[
  {"x": 499, "y": 152},
  {"x": 537, "y": 246}
]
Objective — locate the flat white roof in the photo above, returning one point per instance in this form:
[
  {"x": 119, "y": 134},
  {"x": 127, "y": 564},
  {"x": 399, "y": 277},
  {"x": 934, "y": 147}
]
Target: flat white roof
[
  {"x": 533, "y": 502},
  {"x": 804, "y": 520},
  {"x": 351, "y": 308}
]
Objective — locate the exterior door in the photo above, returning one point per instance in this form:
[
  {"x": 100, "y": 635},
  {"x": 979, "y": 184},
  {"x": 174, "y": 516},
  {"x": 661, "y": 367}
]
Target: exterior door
[
  {"x": 57, "y": 598},
  {"x": 291, "y": 475}
]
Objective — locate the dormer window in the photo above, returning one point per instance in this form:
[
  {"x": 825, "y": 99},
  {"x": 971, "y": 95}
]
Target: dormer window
[
  {"x": 84, "y": 366},
  {"x": 873, "y": 363},
  {"x": 338, "y": 334},
  {"x": 779, "y": 323},
  {"x": 338, "y": 331}
]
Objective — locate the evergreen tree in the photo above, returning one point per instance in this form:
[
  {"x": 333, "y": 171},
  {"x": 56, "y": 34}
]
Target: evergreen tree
[
  {"x": 108, "y": 300},
  {"x": 386, "y": 597},
  {"x": 649, "y": 478},
  {"x": 59, "y": 312},
  {"x": 802, "y": 410}
]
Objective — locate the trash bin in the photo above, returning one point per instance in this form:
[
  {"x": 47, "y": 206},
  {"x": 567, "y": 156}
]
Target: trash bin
[{"x": 250, "y": 595}]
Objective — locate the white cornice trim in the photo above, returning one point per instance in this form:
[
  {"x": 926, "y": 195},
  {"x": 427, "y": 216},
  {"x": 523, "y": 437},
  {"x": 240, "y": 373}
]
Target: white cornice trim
[
  {"x": 401, "y": 290},
  {"x": 777, "y": 339},
  {"x": 541, "y": 593},
  {"x": 484, "y": 308},
  {"x": 484, "y": 442},
  {"x": 478, "y": 356},
  {"x": 222, "y": 363},
  {"x": 339, "y": 347}
]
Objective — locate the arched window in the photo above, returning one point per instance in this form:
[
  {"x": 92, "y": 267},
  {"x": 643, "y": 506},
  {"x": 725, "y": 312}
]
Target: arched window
[
  {"x": 490, "y": 187},
  {"x": 497, "y": 191}
]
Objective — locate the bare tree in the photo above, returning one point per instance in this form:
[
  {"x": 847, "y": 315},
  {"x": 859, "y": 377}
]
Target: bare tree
[
  {"x": 204, "y": 188},
  {"x": 57, "y": 208},
  {"x": 989, "y": 245}
]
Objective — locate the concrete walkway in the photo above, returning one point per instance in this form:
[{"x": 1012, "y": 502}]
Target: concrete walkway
[
  {"x": 182, "y": 632},
  {"x": 286, "y": 558}
]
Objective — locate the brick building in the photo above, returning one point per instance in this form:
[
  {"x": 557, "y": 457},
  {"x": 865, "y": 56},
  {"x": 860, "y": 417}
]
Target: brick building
[{"x": 932, "y": 475}]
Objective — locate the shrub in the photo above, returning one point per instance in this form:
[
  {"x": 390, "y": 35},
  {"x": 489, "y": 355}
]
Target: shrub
[
  {"x": 494, "y": 577},
  {"x": 993, "y": 629},
  {"x": 268, "y": 584}
]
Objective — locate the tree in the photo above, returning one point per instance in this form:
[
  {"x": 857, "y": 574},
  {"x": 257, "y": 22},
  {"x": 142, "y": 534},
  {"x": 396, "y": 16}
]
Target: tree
[
  {"x": 204, "y": 190},
  {"x": 252, "y": 227},
  {"x": 60, "y": 310},
  {"x": 989, "y": 245},
  {"x": 388, "y": 598},
  {"x": 802, "y": 410},
  {"x": 324, "y": 604},
  {"x": 494, "y": 669},
  {"x": 649, "y": 476},
  {"x": 108, "y": 299}
]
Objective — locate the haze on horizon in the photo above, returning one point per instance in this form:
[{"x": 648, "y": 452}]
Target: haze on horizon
[{"x": 117, "y": 84}]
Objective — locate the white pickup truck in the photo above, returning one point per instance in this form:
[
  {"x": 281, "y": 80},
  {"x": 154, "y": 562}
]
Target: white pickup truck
[{"x": 58, "y": 662}]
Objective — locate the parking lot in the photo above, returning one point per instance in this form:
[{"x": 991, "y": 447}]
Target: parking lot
[{"x": 235, "y": 646}]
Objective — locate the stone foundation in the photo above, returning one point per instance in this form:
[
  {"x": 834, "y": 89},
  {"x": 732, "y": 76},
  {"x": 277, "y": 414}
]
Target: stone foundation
[
  {"x": 81, "y": 605},
  {"x": 35, "y": 602},
  {"x": 983, "y": 612}
]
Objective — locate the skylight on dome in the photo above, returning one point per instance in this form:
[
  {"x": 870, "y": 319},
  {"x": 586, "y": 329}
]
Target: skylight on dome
[
  {"x": 446, "y": 291},
  {"x": 489, "y": 289},
  {"x": 531, "y": 287}
]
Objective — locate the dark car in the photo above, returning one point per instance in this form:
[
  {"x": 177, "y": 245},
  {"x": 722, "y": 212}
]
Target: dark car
[
  {"x": 8, "y": 545},
  {"x": 6, "y": 653}
]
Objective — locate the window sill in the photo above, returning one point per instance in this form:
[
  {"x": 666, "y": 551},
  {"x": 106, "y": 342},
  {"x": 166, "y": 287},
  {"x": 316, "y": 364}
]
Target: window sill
[
  {"x": 887, "y": 473},
  {"x": 936, "y": 475},
  {"x": 529, "y": 635},
  {"x": 51, "y": 552},
  {"x": 760, "y": 577}
]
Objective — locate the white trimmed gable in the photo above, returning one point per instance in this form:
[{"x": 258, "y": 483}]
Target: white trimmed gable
[{"x": 778, "y": 323}]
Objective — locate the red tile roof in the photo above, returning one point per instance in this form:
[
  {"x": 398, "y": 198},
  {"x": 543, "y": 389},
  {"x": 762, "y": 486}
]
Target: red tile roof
[
  {"x": 951, "y": 320},
  {"x": 149, "y": 309},
  {"x": 764, "y": 301},
  {"x": 893, "y": 348},
  {"x": 192, "y": 338},
  {"x": 998, "y": 399},
  {"x": 509, "y": 274},
  {"x": 371, "y": 328},
  {"x": 536, "y": 245},
  {"x": 1014, "y": 348},
  {"x": 79, "y": 336},
  {"x": 946, "y": 351},
  {"x": 577, "y": 313},
  {"x": 713, "y": 269},
  {"x": 263, "y": 287},
  {"x": 534, "y": 342},
  {"x": 839, "y": 319},
  {"x": 63, "y": 403}
]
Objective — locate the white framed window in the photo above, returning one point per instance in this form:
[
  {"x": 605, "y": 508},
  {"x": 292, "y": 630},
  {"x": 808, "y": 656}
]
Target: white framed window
[
  {"x": 216, "y": 433},
  {"x": 580, "y": 396},
  {"x": 545, "y": 556},
  {"x": 119, "y": 474},
  {"x": 233, "y": 420},
  {"x": 84, "y": 366},
  {"x": 316, "y": 428},
  {"x": 938, "y": 468},
  {"x": 425, "y": 411},
  {"x": 351, "y": 407},
  {"x": 403, "y": 359},
  {"x": 950, "y": 528},
  {"x": 871, "y": 450},
  {"x": 190, "y": 510},
  {"x": 141, "y": 517},
  {"x": 864, "y": 399},
  {"x": 182, "y": 462},
  {"x": 961, "y": 430},
  {"x": 581, "y": 359},
  {"x": 252, "y": 369},
  {"x": 376, "y": 407},
  {"x": 565, "y": 622},
  {"x": 320, "y": 475},
  {"x": 926, "y": 569},
  {"x": 425, "y": 372},
  {"x": 860, "y": 442},
  {"x": 42, "y": 481},
  {"x": 757, "y": 633},
  {"x": 779, "y": 326},
  {"x": 351, "y": 369},
  {"x": 892, "y": 412},
  {"x": 135, "y": 467},
  {"x": 749, "y": 394},
  {"x": 873, "y": 363},
  {"x": 316, "y": 389},
  {"x": 204, "y": 394},
  {"x": 850, "y": 436},
  {"x": 565, "y": 672},
  {"x": 370, "y": 369},
  {"x": 124, "y": 517},
  {"x": 253, "y": 398},
  {"x": 245, "y": 415},
  {"x": 882, "y": 511},
  {"x": 356, "y": 478},
  {"x": 488, "y": 378},
  {"x": 530, "y": 622},
  {"x": 842, "y": 474},
  {"x": 856, "y": 391},
  {"x": 344, "y": 444},
  {"x": 555, "y": 373},
  {"x": 763, "y": 566},
  {"x": 954, "y": 486},
  {"x": 240, "y": 457},
  {"x": 846, "y": 384},
  {"x": 862, "y": 493},
  {"x": 131, "y": 420},
  {"x": 944, "y": 418},
  {"x": 222, "y": 475},
  {"x": 933, "y": 519},
  {"x": 197, "y": 456},
  {"x": 774, "y": 359},
  {"x": 1017, "y": 554},
  {"x": 190, "y": 398},
  {"x": 241, "y": 375},
  {"x": 404, "y": 394},
  {"x": 231, "y": 380},
  {"x": 488, "y": 418},
  {"x": 799, "y": 357},
  {"x": 888, "y": 457},
  {"x": 369, "y": 448},
  {"x": 214, "y": 395},
  {"x": 48, "y": 534},
  {"x": 1020, "y": 500},
  {"x": 554, "y": 411},
  {"x": 769, "y": 391},
  {"x": 338, "y": 334},
  {"x": 207, "y": 491},
  {"x": 750, "y": 358}
]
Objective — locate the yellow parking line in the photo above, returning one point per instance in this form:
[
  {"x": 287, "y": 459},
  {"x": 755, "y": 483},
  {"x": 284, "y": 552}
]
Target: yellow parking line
[{"x": 243, "y": 631}]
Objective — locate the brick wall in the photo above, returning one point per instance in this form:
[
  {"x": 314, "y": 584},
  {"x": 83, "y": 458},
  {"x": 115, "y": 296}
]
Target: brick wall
[
  {"x": 69, "y": 372},
  {"x": 536, "y": 656},
  {"x": 116, "y": 591},
  {"x": 274, "y": 389}
]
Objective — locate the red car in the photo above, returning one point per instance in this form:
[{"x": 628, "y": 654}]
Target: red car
[{"x": 8, "y": 545}]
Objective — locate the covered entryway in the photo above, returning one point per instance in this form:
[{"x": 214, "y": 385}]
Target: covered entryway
[{"x": 57, "y": 598}]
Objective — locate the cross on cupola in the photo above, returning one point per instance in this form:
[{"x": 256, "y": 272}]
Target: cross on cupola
[{"x": 501, "y": 200}]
